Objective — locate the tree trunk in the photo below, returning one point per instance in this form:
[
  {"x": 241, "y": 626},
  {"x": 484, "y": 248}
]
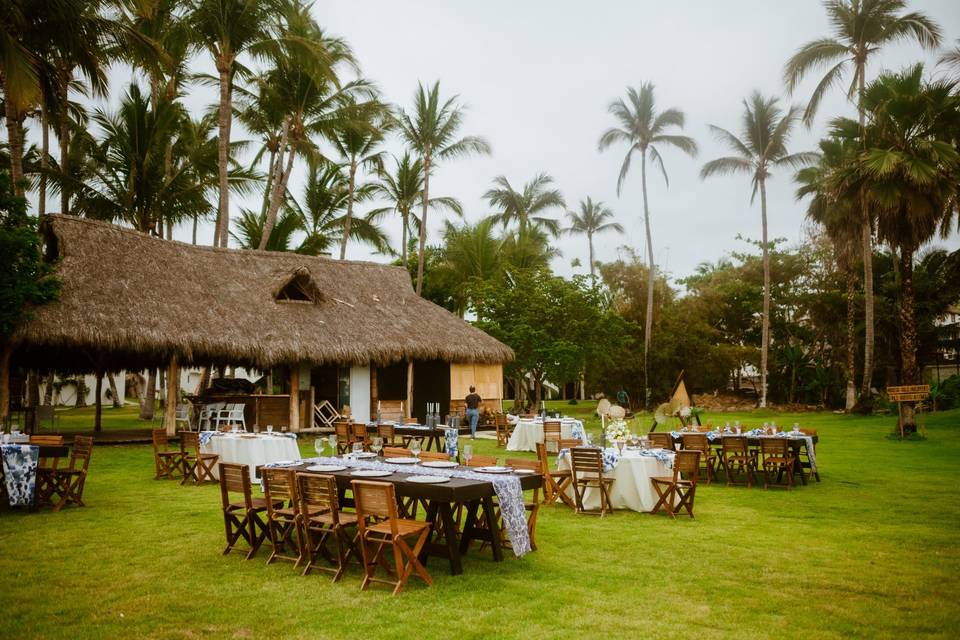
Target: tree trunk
[
  {"x": 149, "y": 396},
  {"x": 651, "y": 279},
  {"x": 538, "y": 393},
  {"x": 170, "y": 406},
  {"x": 98, "y": 404},
  {"x": 279, "y": 188},
  {"x": 15, "y": 146},
  {"x": 593, "y": 276},
  {"x": 268, "y": 188},
  {"x": 765, "y": 331},
  {"x": 410, "y": 383},
  {"x": 44, "y": 158},
  {"x": 205, "y": 380},
  {"x": 867, "y": 242},
  {"x": 33, "y": 389},
  {"x": 223, "y": 154},
  {"x": 48, "y": 389},
  {"x": 909, "y": 372},
  {"x": 851, "y": 399},
  {"x": 81, "y": 399},
  {"x": 64, "y": 139},
  {"x": 423, "y": 220},
  {"x": 403, "y": 250},
  {"x": 349, "y": 220},
  {"x": 194, "y": 237},
  {"x": 114, "y": 396},
  {"x": 5, "y": 350}
]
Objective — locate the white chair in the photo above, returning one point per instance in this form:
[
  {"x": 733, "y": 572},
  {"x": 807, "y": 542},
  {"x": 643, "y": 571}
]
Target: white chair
[
  {"x": 183, "y": 415},
  {"x": 208, "y": 414},
  {"x": 231, "y": 414}
]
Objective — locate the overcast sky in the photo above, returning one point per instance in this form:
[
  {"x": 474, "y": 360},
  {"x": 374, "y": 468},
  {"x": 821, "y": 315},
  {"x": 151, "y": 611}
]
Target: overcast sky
[{"x": 537, "y": 77}]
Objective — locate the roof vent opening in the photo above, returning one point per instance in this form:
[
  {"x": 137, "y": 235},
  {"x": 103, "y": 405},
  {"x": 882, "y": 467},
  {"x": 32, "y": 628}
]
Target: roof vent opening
[{"x": 300, "y": 288}]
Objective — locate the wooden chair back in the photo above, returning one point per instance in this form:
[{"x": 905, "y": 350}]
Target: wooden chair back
[
  {"x": 375, "y": 500},
  {"x": 661, "y": 439},
  {"x": 808, "y": 432},
  {"x": 586, "y": 461},
  {"x": 570, "y": 443},
  {"x": 434, "y": 455},
  {"x": 734, "y": 445},
  {"x": 318, "y": 494},
  {"x": 482, "y": 461},
  {"x": 397, "y": 452},
  {"x": 160, "y": 440},
  {"x": 235, "y": 478},
  {"x": 523, "y": 463},
  {"x": 695, "y": 442},
  {"x": 500, "y": 420},
  {"x": 551, "y": 431},
  {"x": 774, "y": 447},
  {"x": 279, "y": 484},
  {"x": 55, "y": 441},
  {"x": 387, "y": 432},
  {"x": 190, "y": 442},
  {"x": 358, "y": 431},
  {"x": 686, "y": 465},
  {"x": 80, "y": 453},
  {"x": 343, "y": 431}
]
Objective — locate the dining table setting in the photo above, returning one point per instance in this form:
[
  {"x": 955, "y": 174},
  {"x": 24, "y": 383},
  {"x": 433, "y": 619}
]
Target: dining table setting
[
  {"x": 251, "y": 449},
  {"x": 528, "y": 432},
  {"x": 631, "y": 468},
  {"x": 445, "y": 487}
]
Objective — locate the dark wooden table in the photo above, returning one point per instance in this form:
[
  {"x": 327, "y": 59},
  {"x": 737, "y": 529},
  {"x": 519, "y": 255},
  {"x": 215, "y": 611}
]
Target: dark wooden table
[
  {"x": 441, "y": 499},
  {"x": 432, "y": 438},
  {"x": 754, "y": 442}
]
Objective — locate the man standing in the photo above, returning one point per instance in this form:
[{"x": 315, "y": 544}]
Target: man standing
[{"x": 473, "y": 410}]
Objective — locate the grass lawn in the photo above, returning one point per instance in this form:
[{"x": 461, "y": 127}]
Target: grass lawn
[{"x": 872, "y": 551}]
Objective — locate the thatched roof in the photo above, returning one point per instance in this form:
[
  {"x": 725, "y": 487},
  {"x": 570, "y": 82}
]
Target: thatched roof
[{"x": 129, "y": 299}]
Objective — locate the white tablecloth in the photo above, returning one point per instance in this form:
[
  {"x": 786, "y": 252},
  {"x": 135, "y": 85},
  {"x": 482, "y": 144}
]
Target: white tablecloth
[
  {"x": 252, "y": 451},
  {"x": 528, "y": 432},
  {"x": 631, "y": 488}
]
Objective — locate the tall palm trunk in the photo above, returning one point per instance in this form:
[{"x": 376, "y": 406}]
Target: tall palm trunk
[
  {"x": 423, "y": 219},
  {"x": 403, "y": 250},
  {"x": 149, "y": 400},
  {"x": 593, "y": 276},
  {"x": 44, "y": 158},
  {"x": 98, "y": 403},
  {"x": 909, "y": 372},
  {"x": 64, "y": 139},
  {"x": 114, "y": 396},
  {"x": 223, "y": 154},
  {"x": 651, "y": 278},
  {"x": 15, "y": 146},
  {"x": 48, "y": 389},
  {"x": 867, "y": 242},
  {"x": 765, "y": 331},
  {"x": 851, "y": 341},
  {"x": 194, "y": 238},
  {"x": 349, "y": 220},
  {"x": 268, "y": 189},
  {"x": 279, "y": 187}
]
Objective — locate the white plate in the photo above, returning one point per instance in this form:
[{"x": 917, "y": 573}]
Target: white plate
[
  {"x": 327, "y": 468},
  {"x": 371, "y": 473},
  {"x": 428, "y": 479},
  {"x": 285, "y": 463},
  {"x": 402, "y": 460},
  {"x": 440, "y": 464},
  {"x": 494, "y": 469},
  {"x": 365, "y": 454}
]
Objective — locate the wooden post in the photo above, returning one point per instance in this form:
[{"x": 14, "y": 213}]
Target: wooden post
[
  {"x": 173, "y": 385},
  {"x": 5, "y": 350},
  {"x": 409, "y": 389},
  {"x": 98, "y": 405},
  {"x": 295, "y": 397}
]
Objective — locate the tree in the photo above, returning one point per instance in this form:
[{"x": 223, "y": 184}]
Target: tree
[
  {"x": 838, "y": 213},
  {"x": 765, "y": 133},
  {"x": 431, "y": 131},
  {"x": 226, "y": 29},
  {"x": 26, "y": 280},
  {"x": 860, "y": 29},
  {"x": 522, "y": 207},
  {"x": 644, "y": 130},
  {"x": 910, "y": 173},
  {"x": 592, "y": 219},
  {"x": 471, "y": 254},
  {"x": 951, "y": 59}
]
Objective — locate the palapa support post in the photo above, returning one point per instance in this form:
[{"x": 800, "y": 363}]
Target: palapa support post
[
  {"x": 409, "y": 389},
  {"x": 295, "y": 397},
  {"x": 5, "y": 350},
  {"x": 98, "y": 403},
  {"x": 170, "y": 406}
]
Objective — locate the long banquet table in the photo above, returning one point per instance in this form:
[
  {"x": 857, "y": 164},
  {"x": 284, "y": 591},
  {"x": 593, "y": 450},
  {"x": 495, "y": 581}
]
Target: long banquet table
[
  {"x": 432, "y": 436},
  {"x": 475, "y": 495}
]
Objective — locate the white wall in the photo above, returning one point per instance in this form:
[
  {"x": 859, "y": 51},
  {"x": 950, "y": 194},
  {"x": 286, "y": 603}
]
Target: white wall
[
  {"x": 68, "y": 393},
  {"x": 360, "y": 392}
]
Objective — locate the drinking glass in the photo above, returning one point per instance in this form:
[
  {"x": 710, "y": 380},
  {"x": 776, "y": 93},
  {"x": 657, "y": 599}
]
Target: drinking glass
[
  {"x": 467, "y": 453},
  {"x": 376, "y": 445},
  {"x": 415, "y": 447},
  {"x": 332, "y": 439},
  {"x": 796, "y": 427},
  {"x": 269, "y": 428},
  {"x": 319, "y": 445}
]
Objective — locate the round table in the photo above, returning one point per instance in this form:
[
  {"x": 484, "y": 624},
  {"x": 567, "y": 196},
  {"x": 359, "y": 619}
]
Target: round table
[
  {"x": 631, "y": 488},
  {"x": 252, "y": 451},
  {"x": 528, "y": 432}
]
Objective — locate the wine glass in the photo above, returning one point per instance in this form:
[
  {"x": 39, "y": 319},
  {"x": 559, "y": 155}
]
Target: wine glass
[
  {"x": 467, "y": 453},
  {"x": 415, "y": 447},
  {"x": 319, "y": 445},
  {"x": 357, "y": 447},
  {"x": 332, "y": 439},
  {"x": 376, "y": 445}
]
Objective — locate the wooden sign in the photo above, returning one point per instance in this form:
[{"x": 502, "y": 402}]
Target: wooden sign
[{"x": 909, "y": 392}]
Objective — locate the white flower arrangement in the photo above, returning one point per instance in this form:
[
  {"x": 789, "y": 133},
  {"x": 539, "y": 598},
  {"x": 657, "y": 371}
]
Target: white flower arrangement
[
  {"x": 685, "y": 412},
  {"x": 617, "y": 430}
]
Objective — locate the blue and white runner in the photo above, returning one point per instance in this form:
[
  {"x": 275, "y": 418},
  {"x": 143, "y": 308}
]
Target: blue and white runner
[{"x": 20, "y": 472}]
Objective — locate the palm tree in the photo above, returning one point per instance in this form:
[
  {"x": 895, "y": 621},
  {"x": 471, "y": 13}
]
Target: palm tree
[
  {"x": 644, "y": 130},
  {"x": 592, "y": 219},
  {"x": 860, "y": 29},
  {"x": 403, "y": 189},
  {"x": 471, "y": 253},
  {"x": 248, "y": 230},
  {"x": 951, "y": 59},
  {"x": 522, "y": 207},
  {"x": 762, "y": 147},
  {"x": 431, "y": 131},
  {"x": 358, "y": 146},
  {"x": 910, "y": 173},
  {"x": 227, "y": 29},
  {"x": 838, "y": 213}
]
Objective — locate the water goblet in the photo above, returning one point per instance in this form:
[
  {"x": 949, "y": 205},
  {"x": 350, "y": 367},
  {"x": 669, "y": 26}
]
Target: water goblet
[
  {"x": 376, "y": 445},
  {"x": 467, "y": 453},
  {"x": 332, "y": 439},
  {"x": 415, "y": 447},
  {"x": 319, "y": 445},
  {"x": 269, "y": 428},
  {"x": 357, "y": 447}
]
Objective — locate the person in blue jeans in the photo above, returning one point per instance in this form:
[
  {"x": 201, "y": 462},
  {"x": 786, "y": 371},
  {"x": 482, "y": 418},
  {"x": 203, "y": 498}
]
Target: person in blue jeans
[{"x": 473, "y": 410}]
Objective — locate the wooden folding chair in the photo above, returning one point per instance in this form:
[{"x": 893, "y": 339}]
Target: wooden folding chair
[
  {"x": 587, "y": 466},
  {"x": 380, "y": 526},
  {"x": 46, "y": 467},
  {"x": 570, "y": 443},
  {"x": 482, "y": 461},
  {"x": 776, "y": 457},
  {"x": 661, "y": 440},
  {"x": 551, "y": 435},
  {"x": 283, "y": 513},
  {"x": 735, "y": 456},
  {"x": 398, "y": 452},
  {"x": 320, "y": 520},
  {"x": 68, "y": 483},
  {"x": 434, "y": 455},
  {"x": 555, "y": 482},
  {"x": 699, "y": 442},
  {"x": 387, "y": 432},
  {"x": 241, "y": 518},
  {"x": 196, "y": 464},
  {"x": 344, "y": 433},
  {"x": 503, "y": 430},
  {"x": 358, "y": 433},
  {"x": 677, "y": 491},
  {"x": 167, "y": 463}
]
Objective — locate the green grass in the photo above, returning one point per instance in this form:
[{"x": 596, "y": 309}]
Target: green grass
[{"x": 872, "y": 551}]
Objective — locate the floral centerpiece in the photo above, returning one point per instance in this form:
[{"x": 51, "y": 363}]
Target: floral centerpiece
[{"x": 617, "y": 430}]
